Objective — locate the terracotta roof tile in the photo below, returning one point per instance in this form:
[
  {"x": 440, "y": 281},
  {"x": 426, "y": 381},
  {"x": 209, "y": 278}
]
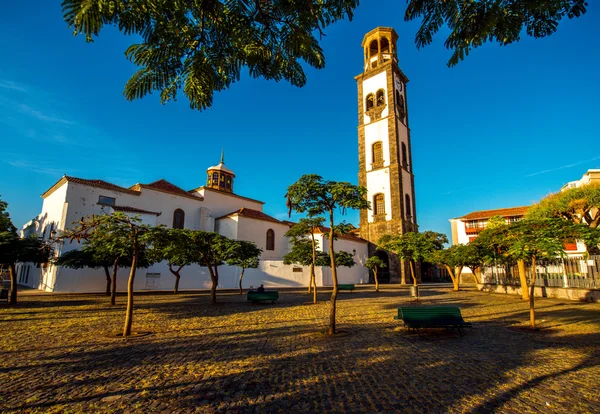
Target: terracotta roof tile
[
  {"x": 166, "y": 187},
  {"x": 347, "y": 236},
  {"x": 250, "y": 213},
  {"x": 504, "y": 212},
  {"x": 127, "y": 209},
  {"x": 92, "y": 183}
]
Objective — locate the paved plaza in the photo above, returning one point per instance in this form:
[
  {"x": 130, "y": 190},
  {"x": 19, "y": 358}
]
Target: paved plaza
[{"x": 58, "y": 354}]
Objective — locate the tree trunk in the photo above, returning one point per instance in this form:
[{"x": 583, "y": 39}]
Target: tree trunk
[
  {"x": 314, "y": 282},
  {"x": 215, "y": 281},
  {"x": 241, "y": 277},
  {"x": 312, "y": 264},
  {"x": 12, "y": 299},
  {"x": 412, "y": 272},
  {"x": 107, "y": 273},
  {"x": 129, "y": 312},
  {"x": 454, "y": 278},
  {"x": 177, "y": 275},
  {"x": 402, "y": 273},
  {"x": 523, "y": 278},
  {"x": 532, "y": 295},
  {"x": 333, "y": 276},
  {"x": 113, "y": 293},
  {"x": 376, "y": 279}
]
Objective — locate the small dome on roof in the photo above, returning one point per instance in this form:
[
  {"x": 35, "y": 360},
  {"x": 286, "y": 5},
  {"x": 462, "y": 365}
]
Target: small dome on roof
[{"x": 221, "y": 166}]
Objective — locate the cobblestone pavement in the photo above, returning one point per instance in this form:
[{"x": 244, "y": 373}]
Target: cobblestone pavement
[{"x": 59, "y": 354}]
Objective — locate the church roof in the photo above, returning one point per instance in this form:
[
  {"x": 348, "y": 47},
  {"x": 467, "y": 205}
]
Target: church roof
[
  {"x": 166, "y": 187},
  {"x": 127, "y": 209},
  {"x": 92, "y": 183},
  {"x": 204, "y": 188},
  {"x": 503, "y": 212},
  {"x": 221, "y": 167},
  {"x": 251, "y": 213},
  {"x": 346, "y": 236}
]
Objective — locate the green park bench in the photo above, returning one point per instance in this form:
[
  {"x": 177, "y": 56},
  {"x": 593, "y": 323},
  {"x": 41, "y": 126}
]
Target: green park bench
[
  {"x": 347, "y": 286},
  {"x": 417, "y": 317},
  {"x": 268, "y": 295}
]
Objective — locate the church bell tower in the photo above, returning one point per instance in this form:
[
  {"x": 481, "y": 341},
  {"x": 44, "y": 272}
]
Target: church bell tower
[{"x": 384, "y": 146}]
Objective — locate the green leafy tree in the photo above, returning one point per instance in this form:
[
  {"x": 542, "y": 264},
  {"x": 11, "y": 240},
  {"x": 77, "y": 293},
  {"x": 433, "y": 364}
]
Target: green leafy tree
[
  {"x": 213, "y": 251},
  {"x": 580, "y": 205},
  {"x": 176, "y": 247},
  {"x": 6, "y": 224},
  {"x": 305, "y": 227},
  {"x": 472, "y": 23},
  {"x": 315, "y": 196},
  {"x": 14, "y": 249},
  {"x": 531, "y": 240},
  {"x": 414, "y": 247},
  {"x": 495, "y": 222},
  {"x": 245, "y": 255},
  {"x": 375, "y": 263},
  {"x": 202, "y": 46},
  {"x": 120, "y": 234}
]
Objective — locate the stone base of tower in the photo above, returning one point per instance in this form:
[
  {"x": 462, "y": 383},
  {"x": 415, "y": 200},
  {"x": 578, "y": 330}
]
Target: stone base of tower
[{"x": 396, "y": 271}]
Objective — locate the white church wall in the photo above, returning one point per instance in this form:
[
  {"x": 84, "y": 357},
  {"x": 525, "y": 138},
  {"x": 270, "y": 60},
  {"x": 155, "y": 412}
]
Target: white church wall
[
  {"x": 374, "y": 132},
  {"x": 378, "y": 181},
  {"x": 221, "y": 204},
  {"x": 356, "y": 274},
  {"x": 256, "y": 231},
  {"x": 166, "y": 204},
  {"x": 372, "y": 85},
  {"x": 228, "y": 227}
]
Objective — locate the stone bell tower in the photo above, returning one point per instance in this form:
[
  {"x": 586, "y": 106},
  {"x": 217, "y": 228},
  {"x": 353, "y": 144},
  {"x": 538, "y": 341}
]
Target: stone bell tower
[{"x": 384, "y": 146}]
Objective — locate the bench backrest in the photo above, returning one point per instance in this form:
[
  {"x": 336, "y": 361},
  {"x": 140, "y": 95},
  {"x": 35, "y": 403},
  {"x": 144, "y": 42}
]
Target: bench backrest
[
  {"x": 430, "y": 313},
  {"x": 267, "y": 294}
]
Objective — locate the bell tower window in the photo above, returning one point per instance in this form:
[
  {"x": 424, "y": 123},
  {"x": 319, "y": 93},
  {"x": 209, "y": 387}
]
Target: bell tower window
[
  {"x": 379, "y": 207},
  {"x": 404, "y": 156},
  {"x": 380, "y": 97},
  {"x": 377, "y": 155},
  {"x": 408, "y": 207},
  {"x": 370, "y": 101}
]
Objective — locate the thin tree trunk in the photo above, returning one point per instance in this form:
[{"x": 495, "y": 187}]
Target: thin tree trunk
[
  {"x": 313, "y": 280},
  {"x": 129, "y": 312},
  {"x": 241, "y": 277},
  {"x": 412, "y": 272},
  {"x": 113, "y": 293},
  {"x": 333, "y": 276},
  {"x": 403, "y": 274},
  {"x": 215, "y": 281},
  {"x": 177, "y": 275},
  {"x": 12, "y": 299},
  {"x": 523, "y": 278},
  {"x": 376, "y": 279},
  {"x": 454, "y": 278},
  {"x": 107, "y": 273},
  {"x": 532, "y": 295}
]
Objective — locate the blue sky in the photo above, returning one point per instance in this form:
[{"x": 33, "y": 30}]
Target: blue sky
[{"x": 503, "y": 128}]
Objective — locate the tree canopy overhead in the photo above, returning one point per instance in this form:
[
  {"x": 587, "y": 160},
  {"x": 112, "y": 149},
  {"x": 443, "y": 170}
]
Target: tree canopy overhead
[
  {"x": 474, "y": 22},
  {"x": 201, "y": 47}
]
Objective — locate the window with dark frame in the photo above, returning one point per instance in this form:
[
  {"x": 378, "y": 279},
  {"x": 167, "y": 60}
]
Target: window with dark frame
[
  {"x": 404, "y": 156},
  {"x": 377, "y": 154},
  {"x": 270, "y": 239},
  {"x": 379, "y": 205},
  {"x": 106, "y": 201},
  {"x": 408, "y": 207},
  {"x": 178, "y": 219}
]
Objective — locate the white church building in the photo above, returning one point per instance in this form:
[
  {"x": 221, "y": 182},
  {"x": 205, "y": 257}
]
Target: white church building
[{"x": 212, "y": 207}]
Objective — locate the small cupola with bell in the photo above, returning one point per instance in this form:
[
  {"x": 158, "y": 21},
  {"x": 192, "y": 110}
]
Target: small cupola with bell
[
  {"x": 220, "y": 177},
  {"x": 380, "y": 47}
]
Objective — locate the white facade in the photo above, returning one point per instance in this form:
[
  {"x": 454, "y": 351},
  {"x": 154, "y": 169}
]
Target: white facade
[{"x": 228, "y": 214}]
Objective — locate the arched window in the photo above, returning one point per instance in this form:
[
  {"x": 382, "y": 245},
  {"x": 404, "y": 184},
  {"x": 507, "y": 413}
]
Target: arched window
[
  {"x": 178, "y": 219},
  {"x": 407, "y": 204},
  {"x": 370, "y": 101},
  {"x": 380, "y": 97},
  {"x": 377, "y": 154},
  {"x": 385, "y": 45},
  {"x": 404, "y": 156},
  {"x": 270, "y": 239},
  {"x": 378, "y": 205},
  {"x": 373, "y": 48}
]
